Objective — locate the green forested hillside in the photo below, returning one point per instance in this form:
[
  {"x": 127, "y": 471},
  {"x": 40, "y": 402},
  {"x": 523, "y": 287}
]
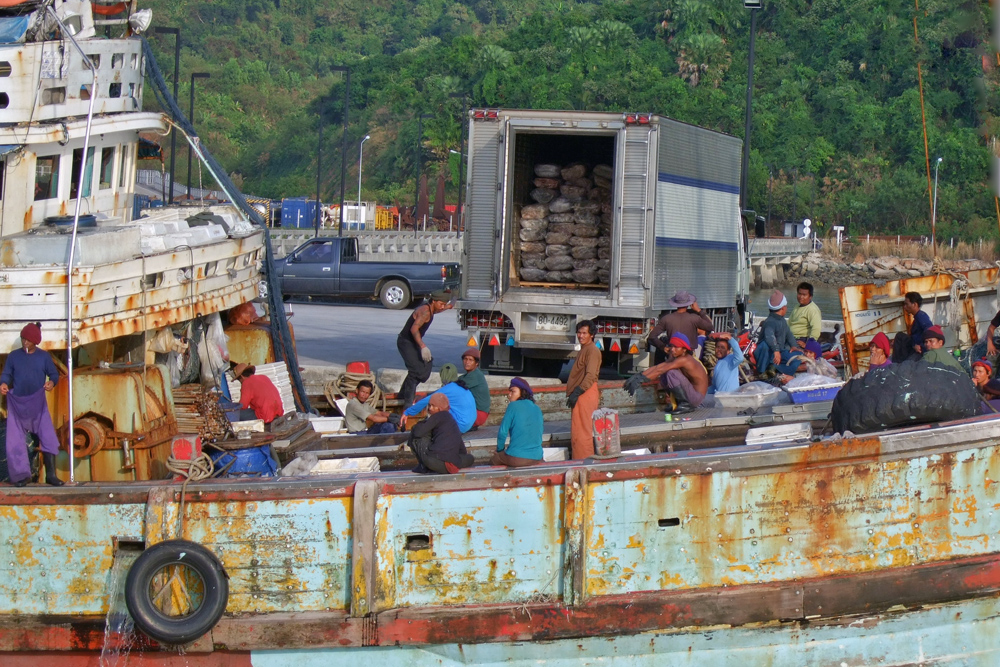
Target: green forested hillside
[{"x": 836, "y": 109}]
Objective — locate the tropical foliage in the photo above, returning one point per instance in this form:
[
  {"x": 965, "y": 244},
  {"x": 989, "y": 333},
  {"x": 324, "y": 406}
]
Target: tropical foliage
[{"x": 837, "y": 123}]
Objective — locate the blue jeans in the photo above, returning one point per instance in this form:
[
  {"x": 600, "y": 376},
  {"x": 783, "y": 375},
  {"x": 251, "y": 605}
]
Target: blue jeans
[{"x": 764, "y": 357}]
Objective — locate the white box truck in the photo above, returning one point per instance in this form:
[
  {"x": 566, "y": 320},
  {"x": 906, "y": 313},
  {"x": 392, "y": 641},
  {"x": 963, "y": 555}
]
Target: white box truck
[{"x": 576, "y": 215}]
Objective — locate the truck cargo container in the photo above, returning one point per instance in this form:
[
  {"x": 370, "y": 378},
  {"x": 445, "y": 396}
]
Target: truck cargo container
[{"x": 589, "y": 215}]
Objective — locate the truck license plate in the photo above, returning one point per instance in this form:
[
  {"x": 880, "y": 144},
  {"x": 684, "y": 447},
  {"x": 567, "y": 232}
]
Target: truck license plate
[{"x": 552, "y": 322}]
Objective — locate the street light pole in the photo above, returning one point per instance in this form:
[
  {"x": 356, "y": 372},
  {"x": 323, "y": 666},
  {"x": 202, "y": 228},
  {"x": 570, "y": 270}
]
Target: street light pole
[
  {"x": 937, "y": 164},
  {"x": 361, "y": 158},
  {"x": 343, "y": 141},
  {"x": 319, "y": 163},
  {"x": 194, "y": 75},
  {"x": 176, "y": 32},
  {"x": 749, "y": 110}
]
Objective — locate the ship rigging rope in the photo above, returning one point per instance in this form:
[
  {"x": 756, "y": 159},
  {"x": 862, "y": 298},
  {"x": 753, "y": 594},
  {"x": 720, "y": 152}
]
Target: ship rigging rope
[
  {"x": 195, "y": 469},
  {"x": 281, "y": 335}
]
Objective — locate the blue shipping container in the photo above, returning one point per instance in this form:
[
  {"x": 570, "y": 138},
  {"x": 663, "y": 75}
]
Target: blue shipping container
[{"x": 298, "y": 213}]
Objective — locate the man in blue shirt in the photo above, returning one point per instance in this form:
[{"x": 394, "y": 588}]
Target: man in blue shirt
[
  {"x": 27, "y": 376},
  {"x": 461, "y": 402},
  {"x": 912, "y": 301},
  {"x": 726, "y": 375},
  {"x": 777, "y": 346}
]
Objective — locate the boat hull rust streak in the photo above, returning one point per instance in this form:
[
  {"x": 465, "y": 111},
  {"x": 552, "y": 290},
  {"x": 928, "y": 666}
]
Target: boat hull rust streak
[{"x": 677, "y": 541}]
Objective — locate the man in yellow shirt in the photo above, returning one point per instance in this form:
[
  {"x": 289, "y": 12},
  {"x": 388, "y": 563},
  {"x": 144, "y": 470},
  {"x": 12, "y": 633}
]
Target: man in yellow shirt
[{"x": 805, "y": 321}]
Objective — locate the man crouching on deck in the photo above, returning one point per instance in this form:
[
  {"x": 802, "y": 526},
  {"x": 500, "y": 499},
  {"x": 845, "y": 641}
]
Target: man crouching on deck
[{"x": 682, "y": 375}]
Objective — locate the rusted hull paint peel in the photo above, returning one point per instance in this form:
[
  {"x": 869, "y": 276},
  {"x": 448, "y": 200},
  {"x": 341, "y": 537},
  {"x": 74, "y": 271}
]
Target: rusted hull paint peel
[{"x": 735, "y": 537}]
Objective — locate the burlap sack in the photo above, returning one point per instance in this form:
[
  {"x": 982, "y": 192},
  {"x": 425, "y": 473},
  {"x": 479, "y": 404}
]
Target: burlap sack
[
  {"x": 544, "y": 195},
  {"x": 555, "y": 238},
  {"x": 581, "y": 252},
  {"x": 604, "y": 171},
  {"x": 561, "y": 228},
  {"x": 533, "y": 260},
  {"x": 534, "y": 212},
  {"x": 531, "y": 234},
  {"x": 533, "y": 247},
  {"x": 584, "y": 242},
  {"x": 547, "y": 170},
  {"x": 532, "y": 275},
  {"x": 560, "y": 205},
  {"x": 558, "y": 250},
  {"x": 573, "y": 171},
  {"x": 560, "y": 263},
  {"x": 553, "y": 183}
]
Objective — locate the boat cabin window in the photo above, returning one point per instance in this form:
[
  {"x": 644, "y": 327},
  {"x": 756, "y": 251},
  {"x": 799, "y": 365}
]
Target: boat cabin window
[
  {"x": 95, "y": 58},
  {"x": 46, "y": 177},
  {"x": 122, "y": 166},
  {"x": 115, "y": 90},
  {"x": 4, "y": 100},
  {"x": 117, "y": 60},
  {"x": 107, "y": 167},
  {"x": 316, "y": 253},
  {"x": 88, "y": 173},
  {"x": 5, "y": 69}
]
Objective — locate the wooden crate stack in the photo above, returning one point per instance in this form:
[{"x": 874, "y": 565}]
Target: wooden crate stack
[{"x": 197, "y": 410}]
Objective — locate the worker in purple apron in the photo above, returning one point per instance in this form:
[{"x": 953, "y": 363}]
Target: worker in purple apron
[{"x": 28, "y": 374}]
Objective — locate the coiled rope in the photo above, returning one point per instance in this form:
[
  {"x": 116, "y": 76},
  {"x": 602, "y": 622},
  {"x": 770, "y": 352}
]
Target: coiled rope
[{"x": 196, "y": 469}]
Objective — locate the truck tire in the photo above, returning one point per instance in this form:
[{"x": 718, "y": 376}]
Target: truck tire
[
  {"x": 192, "y": 568},
  {"x": 907, "y": 393},
  {"x": 395, "y": 294}
]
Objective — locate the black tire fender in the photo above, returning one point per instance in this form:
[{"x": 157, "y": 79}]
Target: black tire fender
[
  {"x": 201, "y": 568},
  {"x": 907, "y": 393}
]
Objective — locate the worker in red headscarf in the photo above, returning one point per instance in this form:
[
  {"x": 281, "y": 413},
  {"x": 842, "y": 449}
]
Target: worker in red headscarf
[{"x": 27, "y": 375}]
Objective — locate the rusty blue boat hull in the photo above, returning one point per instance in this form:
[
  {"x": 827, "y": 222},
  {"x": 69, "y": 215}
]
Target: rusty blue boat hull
[{"x": 787, "y": 547}]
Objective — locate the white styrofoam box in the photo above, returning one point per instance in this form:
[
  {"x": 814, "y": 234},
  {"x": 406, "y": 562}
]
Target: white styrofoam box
[
  {"x": 254, "y": 425},
  {"x": 348, "y": 466},
  {"x": 555, "y": 454},
  {"x": 636, "y": 452},
  {"x": 215, "y": 232},
  {"x": 766, "y": 435},
  {"x": 742, "y": 401},
  {"x": 327, "y": 424}
]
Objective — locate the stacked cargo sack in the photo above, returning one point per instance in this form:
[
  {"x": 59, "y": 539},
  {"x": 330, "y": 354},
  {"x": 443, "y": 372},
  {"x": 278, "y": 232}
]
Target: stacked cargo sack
[{"x": 565, "y": 235}]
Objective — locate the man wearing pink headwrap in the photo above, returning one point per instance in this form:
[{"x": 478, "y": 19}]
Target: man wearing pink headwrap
[{"x": 27, "y": 375}]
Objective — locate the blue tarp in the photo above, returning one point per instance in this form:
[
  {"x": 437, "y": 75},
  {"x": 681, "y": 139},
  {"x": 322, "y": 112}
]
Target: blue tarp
[
  {"x": 8, "y": 148},
  {"x": 12, "y": 29}
]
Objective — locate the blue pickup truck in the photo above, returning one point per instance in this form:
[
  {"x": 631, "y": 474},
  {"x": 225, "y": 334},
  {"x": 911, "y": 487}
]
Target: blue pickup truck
[{"x": 330, "y": 267}]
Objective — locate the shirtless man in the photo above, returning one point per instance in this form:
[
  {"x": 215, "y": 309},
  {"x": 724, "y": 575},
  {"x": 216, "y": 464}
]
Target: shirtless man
[{"x": 681, "y": 375}]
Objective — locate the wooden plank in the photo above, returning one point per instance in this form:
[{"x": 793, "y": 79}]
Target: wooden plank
[{"x": 366, "y": 494}]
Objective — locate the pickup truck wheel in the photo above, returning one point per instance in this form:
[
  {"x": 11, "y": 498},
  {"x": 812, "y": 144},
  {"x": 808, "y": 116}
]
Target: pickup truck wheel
[{"x": 395, "y": 294}]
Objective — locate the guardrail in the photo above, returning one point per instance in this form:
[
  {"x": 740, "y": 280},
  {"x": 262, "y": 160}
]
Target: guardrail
[
  {"x": 386, "y": 246},
  {"x": 780, "y": 247}
]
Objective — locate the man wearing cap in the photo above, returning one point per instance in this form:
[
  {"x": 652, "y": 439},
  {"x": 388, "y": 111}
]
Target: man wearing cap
[
  {"x": 416, "y": 355},
  {"x": 934, "y": 352},
  {"x": 437, "y": 440},
  {"x": 988, "y": 389},
  {"x": 258, "y": 395},
  {"x": 777, "y": 345},
  {"x": 462, "y": 404},
  {"x": 681, "y": 375},
  {"x": 687, "y": 319},
  {"x": 475, "y": 382},
  {"x": 28, "y": 375},
  {"x": 879, "y": 351},
  {"x": 812, "y": 358},
  {"x": 582, "y": 395}
]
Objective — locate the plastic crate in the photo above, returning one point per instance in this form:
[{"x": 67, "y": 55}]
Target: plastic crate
[{"x": 814, "y": 394}]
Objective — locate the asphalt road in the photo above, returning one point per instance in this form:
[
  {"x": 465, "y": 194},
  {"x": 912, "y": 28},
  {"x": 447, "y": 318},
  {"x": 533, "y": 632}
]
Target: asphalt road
[{"x": 337, "y": 333}]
